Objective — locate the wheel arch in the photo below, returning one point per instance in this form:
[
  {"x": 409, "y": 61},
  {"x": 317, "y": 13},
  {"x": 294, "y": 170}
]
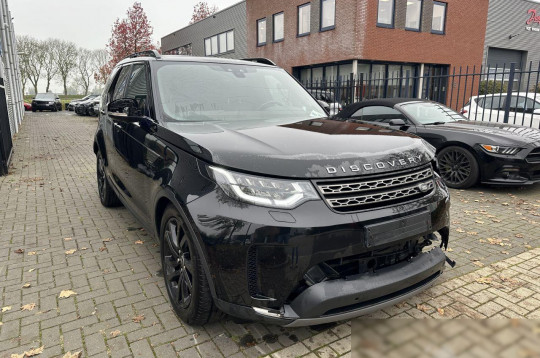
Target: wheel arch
[
  {"x": 166, "y": 198},
  {"x": 99, "y": 145},
  {"x": 468, "y": 148}
]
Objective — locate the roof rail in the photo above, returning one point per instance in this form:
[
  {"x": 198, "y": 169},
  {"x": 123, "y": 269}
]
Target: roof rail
[
  {"x": 262, "y": 60},
  {"x": 149, "y": 53}
]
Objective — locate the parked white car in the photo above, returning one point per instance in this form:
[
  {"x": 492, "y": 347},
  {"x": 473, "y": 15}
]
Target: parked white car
[{"x": 524, "y": 108}]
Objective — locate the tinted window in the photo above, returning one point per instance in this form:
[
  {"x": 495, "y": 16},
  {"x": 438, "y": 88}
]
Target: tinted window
[
  {"x": 491, "y": 102},
  {"x": 385, "y": 14},
  {"x": 378, "y": 114},
  {"x": 521, "y": 104},
  {"x": 278, "y": 27},
  {"x": 328, "y": 14},
  {"x": 414, "y": 13},
  {"x": 137, "y": 87},
  {"x": 120, "y": 88},
  {"x": 261, "y": 32}
]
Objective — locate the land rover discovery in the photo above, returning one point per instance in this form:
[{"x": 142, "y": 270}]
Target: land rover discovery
[{"x": 265, "y": 209}]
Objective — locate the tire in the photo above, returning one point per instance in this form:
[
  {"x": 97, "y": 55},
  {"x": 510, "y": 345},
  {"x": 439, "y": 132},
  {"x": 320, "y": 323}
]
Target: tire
[
  {"x": 107, "y": 196},
  {"x": 186, "y": 282},
  {"x": 458, "y": 166}
]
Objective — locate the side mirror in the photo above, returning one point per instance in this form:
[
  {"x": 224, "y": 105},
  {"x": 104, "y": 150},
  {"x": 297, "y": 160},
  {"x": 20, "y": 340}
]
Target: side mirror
[
  {"x": 124, "y": 108},
  {"x": 397, "y": 122}
]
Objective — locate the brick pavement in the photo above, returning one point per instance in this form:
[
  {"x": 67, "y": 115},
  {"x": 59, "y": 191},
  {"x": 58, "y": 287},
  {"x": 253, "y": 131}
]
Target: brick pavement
[{"x": 51, "y": 208}]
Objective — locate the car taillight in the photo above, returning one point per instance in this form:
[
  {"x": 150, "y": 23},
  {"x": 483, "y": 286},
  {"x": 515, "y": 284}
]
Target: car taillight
[{"x": 463, "y": 111}]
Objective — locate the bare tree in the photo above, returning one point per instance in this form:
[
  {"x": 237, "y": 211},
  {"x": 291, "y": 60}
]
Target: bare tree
[
  {"x": 66, "y": 60},
  {"x": 100, "y": 60},
  {"x": 85, "y": 69},
  {"x": 33, "y": 49},
  {"x": 24, "y": 48},
  {"x": 50, "y": 66}
]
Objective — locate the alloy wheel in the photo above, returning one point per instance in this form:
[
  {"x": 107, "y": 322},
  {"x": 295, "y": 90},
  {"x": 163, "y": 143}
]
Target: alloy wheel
[
  {"x": 101, "y": 176},
  {"x": 455, "y": 167},
  {"x": 178, "y": 265}
]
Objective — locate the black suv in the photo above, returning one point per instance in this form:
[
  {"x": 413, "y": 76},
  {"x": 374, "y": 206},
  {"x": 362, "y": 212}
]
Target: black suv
[
  {"x": 46, "y": 101},
  {"x": 265, "y": 209}
]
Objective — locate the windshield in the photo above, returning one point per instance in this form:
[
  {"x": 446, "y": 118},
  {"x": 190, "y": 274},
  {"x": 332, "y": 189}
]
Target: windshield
[
  {"x": 47, "y": 96},
  {"x": 193, "y": 92},
  {"x": 430, "y": 113}
]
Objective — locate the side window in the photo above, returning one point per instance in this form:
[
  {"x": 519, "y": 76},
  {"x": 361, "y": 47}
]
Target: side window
[
  {"x": 520, "y": 104},
  {"x": 493, "y": 102},
  {"x": 120, "y": 86},
  {"x": 137, "y": 88},
  {"x": 379, "y": 114}
]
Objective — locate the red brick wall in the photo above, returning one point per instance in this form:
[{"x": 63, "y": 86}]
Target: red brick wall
[
  {"x": 462, "y": 45},
  {"x": 356, "y": 35},
  {"x": 318, "y": 47}
]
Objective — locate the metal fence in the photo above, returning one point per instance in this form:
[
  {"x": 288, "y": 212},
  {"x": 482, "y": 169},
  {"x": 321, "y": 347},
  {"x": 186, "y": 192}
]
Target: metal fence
[{"x": 507, "y": 94}]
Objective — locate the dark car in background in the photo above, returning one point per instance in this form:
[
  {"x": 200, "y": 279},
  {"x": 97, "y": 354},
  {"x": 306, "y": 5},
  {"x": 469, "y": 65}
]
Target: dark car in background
[
  {"x": 468, "y": 151},
  {"x": 266, "y": 209},
  {"x": 47, "y": 102},
  {"x": 71, "y": 105},
  {"x": 82, "y": 108},
  {"x": 93, "y": 107}
]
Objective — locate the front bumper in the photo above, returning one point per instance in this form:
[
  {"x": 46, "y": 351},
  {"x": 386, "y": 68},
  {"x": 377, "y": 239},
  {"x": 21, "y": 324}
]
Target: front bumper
[
  {"x": 43, "y": 106},
  {"x": 258, "y": 257},
  {"x": 508, "y": 170}
]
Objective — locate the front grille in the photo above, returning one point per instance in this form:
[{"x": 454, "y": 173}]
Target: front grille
[
  {"x": 534, "y": 156},
  {"x": 365, "y": 193}
]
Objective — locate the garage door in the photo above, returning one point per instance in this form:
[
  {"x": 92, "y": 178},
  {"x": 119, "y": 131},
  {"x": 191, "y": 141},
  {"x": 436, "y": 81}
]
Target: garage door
[{"x": 501, "y": 57}]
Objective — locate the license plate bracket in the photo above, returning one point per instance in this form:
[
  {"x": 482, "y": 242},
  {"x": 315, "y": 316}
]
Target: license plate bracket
[{"x": 398, "y": 229}]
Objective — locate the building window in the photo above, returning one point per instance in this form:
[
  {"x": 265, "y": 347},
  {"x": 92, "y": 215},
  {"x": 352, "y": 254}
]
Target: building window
[
  {"x": 261, "y": 32},
  {"x": 220, "y": 43},
  {"x": 185, "y": 50},
  {"x": 413, "y": 18},
  {"x": 385, "y": 14},
  {"x": 328, "y": 14},
  {"x": 279, "y": 27},
  {"x": 304, "y": 19},
  {"x": 438, "y": 23}
]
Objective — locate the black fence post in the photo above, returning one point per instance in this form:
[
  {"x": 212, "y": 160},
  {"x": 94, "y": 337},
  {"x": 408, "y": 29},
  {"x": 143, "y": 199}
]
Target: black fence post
[{"x": 509, "y": 91}]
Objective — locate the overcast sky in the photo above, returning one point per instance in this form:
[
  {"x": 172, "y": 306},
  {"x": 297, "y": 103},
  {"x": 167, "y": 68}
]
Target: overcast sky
[{"x": 89, "y": 23}]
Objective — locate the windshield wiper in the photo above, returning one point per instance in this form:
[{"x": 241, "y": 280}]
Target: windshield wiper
[{"x": 435, "y": 123}]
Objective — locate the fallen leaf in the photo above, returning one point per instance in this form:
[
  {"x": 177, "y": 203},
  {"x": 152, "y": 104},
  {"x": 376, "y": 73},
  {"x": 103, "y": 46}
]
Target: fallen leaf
[
  {"x": 66, "y": 294},
  {"x": 520, "y": 236},
  {"x": 139, "y": 242},
  {"x": 107, "y": 240},
  {"x": 115, "y": 333},
  {"x": 28, "y": 307},
  {"x": 496, "y": 220},
  {"x": 472, "y": 233},
  {"x": 528, "y": 247},
  {"x": 505, "y": 204},
  {"x": 460, "y": 230},
  {"x": 441, "y": 311},
  {"x": 73, "y": 355},
  {"x": 7, "y": 308},
  {"x": 422, "y": 308},
  {"x": 71, "y": 252},
  {"x": 19, "y": 251},
  {"x": 505, "y": 252},
  {"x": 102, "y": 248},
  {"x": 450, "y": 250},
  {"x": 15, "y": 355},
  {"x": 84, "y": 248},
  {"x": 479, "y": 222},
  {"x": 138, "y": 319},
  {"x": 34, "y": 352},
  {"x": 68, "y": 239},
  {"x": 467, "y": 251},
  {"x": 32, "y": 253},
  {"x": 478, "y": 263},
  {"x": 484, "y": 280},
  {"x": 26, "y": 285},
  {"x": 32, "y": 269}
]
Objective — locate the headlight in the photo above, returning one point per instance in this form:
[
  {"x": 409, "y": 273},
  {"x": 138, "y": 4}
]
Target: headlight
[
  {"x": 51, "y": 102},
  {"x": 500, "y": 150},
  {"x": 431, "y": 148},
  {"x": 276, "y": 193}
]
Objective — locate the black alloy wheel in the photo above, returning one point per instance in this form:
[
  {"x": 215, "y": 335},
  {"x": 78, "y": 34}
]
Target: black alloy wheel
[
  {"x": 187, "y": 285},
  {"x": 458, "y": 167},
  {"x": 107, "y": 196},
  {"x": 178, "y": 267}
]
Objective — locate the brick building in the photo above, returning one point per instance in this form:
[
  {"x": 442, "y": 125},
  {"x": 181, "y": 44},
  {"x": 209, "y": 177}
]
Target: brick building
[{"x": 325, "y": 39}]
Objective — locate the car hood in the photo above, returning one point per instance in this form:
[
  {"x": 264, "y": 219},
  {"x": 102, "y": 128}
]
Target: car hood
[
  {"x": 307, "y": 149},
  {"x": 504, "y": 134}
]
